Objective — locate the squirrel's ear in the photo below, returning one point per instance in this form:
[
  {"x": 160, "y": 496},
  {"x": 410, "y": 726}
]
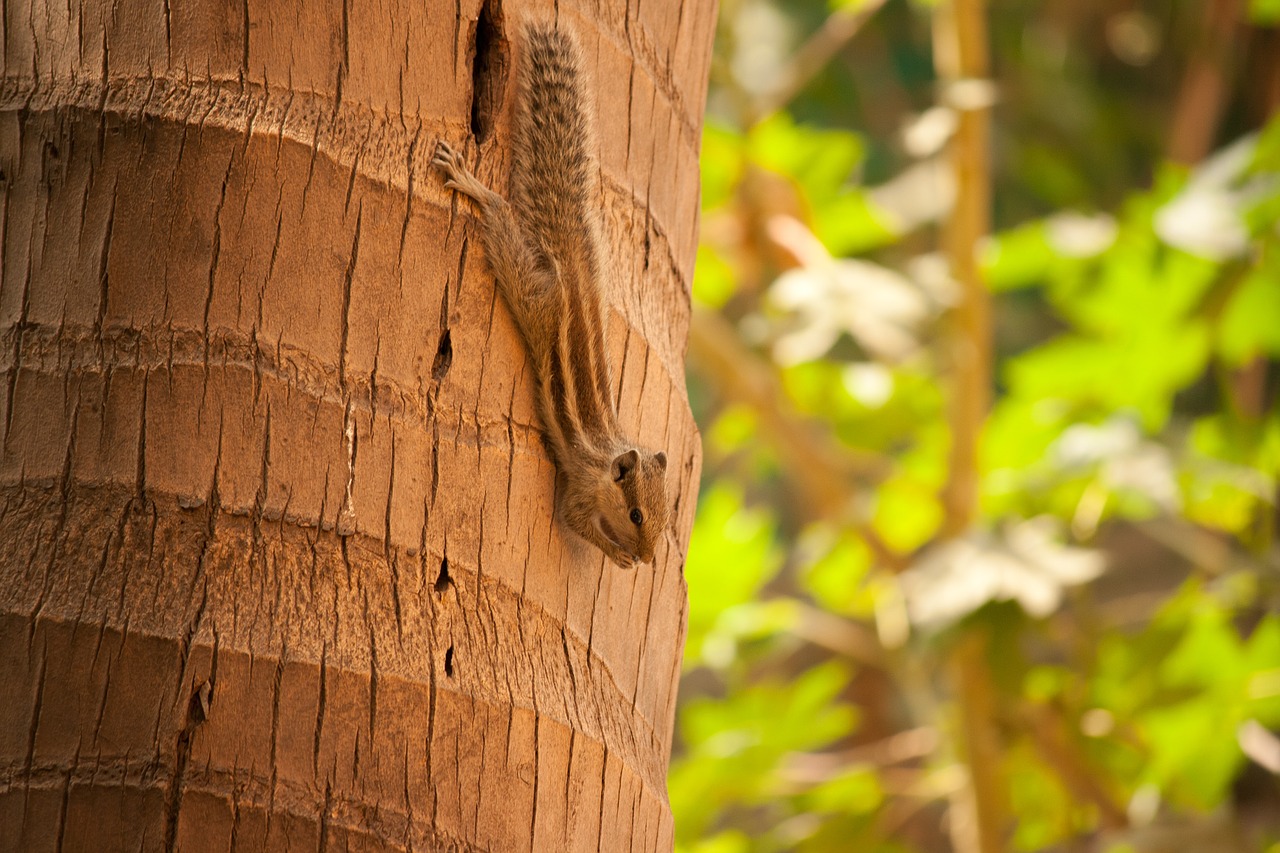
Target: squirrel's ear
[
  {"x": 661, "y": 459},
  {"x": 624, "y": 464}
]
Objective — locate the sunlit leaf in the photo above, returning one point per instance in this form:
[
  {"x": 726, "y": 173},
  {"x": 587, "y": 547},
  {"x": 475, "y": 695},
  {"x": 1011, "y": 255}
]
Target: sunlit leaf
[
  {"x": 1025, "y": 564},
  {"x": 921, "y": 194},
  {"x": 731, "y": 554},
  {"x": 851, "y": 223},
  {"x": 1019, "y": 257},
  {"x": 713, "y": 280},
  {"x": 735, "y": 746},
  {"x": 1231, "y": 471},
  {"x": 1140, "y": 373},
  {"x": 1047, "y": 812},
  {"x": 1264, "y": 12},
  {"x": 907, "y": 513},
  {"x": 729, "y": 841},
  {"x": 835, "y": 578},
  {"x": 735, "y": 427},
  {"x": 856, "y": 790},
  {"x": 721, "y": 164},
  {"x": 878, "y": 307},
  {"x": 820, "y": 160},
  {"x": 1251, "y": 322}
]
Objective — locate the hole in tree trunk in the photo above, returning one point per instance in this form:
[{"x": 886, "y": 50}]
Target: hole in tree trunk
[
  {"x": 444, "y": 357},
  {"x": 443, "y": 581},
  {"x": 201, "y": 702},
  {"x": 488, "y": 70},
  {"x": 448, "y": 662}
]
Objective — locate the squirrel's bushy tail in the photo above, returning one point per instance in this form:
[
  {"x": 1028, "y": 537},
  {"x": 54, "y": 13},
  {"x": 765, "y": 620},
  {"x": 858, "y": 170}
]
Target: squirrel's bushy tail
[{"x": 554, "y": 169}]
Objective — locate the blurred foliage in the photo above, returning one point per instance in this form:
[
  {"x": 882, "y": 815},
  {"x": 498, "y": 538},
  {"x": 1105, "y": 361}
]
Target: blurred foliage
[{"x": 1121, "y": 581}]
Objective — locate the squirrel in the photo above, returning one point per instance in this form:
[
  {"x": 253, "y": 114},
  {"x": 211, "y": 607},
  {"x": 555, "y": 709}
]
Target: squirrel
[{"x": 545, "y": 250}]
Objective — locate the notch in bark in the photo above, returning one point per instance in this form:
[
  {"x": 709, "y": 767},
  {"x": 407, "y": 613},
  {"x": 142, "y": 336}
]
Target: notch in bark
[
  {"x": 53, "y": 167},
  {"x": 201, "y": 702},
  {"x": 444, "y": 347},
  {"x": 448, "y": 661},
  {"x": 488, "y": 70},
  {"x": 444, "y": 357},
  {"x": 443, "y": 580}
]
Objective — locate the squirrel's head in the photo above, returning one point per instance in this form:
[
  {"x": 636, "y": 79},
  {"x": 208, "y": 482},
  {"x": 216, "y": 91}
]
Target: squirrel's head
[{"x": 633, "y": 513}]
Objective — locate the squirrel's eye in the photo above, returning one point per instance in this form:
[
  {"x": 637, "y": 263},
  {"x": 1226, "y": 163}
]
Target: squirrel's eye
[{"x": 637, "y": 517}]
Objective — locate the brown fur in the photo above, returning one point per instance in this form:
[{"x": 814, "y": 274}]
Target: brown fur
[{"x": 545, "y": 250}]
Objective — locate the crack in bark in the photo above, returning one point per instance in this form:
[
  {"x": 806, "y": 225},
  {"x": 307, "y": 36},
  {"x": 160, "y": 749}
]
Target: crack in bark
[
  {"x": 327, "y": 128},
  {"x": 320, "y": 703},
  {"x": 174, "y": 788},
  {"x": 346, "y": 302}
]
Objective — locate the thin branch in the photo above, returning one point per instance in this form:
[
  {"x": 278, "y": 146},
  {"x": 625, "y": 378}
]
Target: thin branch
[
  {"x": 1206, "y": 84},
  {"x": 979, "y": 810},
  {"x": 838, "y": 634},
  {"x": 812, "y": 56},
  {"x": 829, "y": 474},
  {"x": 816, "y": 767},
  {"x": 1049, "y": 733},
  {"x": 962, "y": 55}
]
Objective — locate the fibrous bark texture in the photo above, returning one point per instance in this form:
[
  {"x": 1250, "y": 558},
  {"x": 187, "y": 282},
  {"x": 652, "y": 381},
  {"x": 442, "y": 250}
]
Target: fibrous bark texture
[{"x": 278, "y": 565}]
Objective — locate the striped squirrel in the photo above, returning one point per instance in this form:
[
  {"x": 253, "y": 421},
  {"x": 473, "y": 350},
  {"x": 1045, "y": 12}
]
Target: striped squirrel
[{"x": 545, "y": 250}]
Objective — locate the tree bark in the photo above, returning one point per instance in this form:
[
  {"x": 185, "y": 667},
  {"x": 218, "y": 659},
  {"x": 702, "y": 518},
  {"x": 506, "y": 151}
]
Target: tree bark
[{"x": 278, "y": 567}]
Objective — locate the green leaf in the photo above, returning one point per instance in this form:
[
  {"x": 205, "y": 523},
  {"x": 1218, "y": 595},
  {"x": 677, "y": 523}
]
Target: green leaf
[
  {"x": 1266, "y": 156},
  {"x": 735, "y": 747},
  {"x": 730, "y": 841},
  {"x": 858, "y": 791},
  {"x": 1264, "y": 12},
  {"x": 1019, "y": 257},
  {"x": 1231, "y": 470},
  {"x": 723, "y": 156},
  {"x": 1044, "y": 809},
  {"x": 714, "y": 280},
  {"x": 731, "y": 554},
  {"x": 819, "y": 160},
  {"x": 1262, "y": 662},
  {"x": 907, "y": 513},
  {"x": 1194, "y": 753},
  {"x": 851, "y": 223},
  {"x": 1250, "y": 324},
  {"x": 835, "y": 579},
  {"x": 1140, "y": 372}
]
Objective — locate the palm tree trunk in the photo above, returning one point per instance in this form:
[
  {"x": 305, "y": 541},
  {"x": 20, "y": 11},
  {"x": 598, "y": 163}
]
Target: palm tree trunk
[{"x": 278, "y": 568}]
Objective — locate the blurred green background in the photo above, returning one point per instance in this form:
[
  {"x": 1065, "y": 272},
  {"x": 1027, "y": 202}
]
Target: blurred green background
[{"x": 985, "y": 557}]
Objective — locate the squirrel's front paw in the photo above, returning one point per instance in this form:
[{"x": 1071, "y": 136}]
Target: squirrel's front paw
[
  {"x": 622, "y": 560},
  {"x": 458, "y": 176},
  {"x": 449, "y": 162},
  {"x": 445, "y": 157}
]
